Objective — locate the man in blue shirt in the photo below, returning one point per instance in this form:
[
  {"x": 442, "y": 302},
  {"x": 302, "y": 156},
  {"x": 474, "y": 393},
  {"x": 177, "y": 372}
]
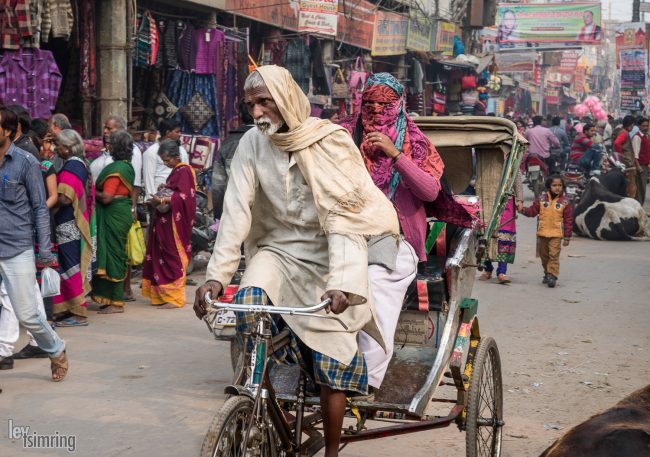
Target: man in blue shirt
[{"x": 23, "y": 214}]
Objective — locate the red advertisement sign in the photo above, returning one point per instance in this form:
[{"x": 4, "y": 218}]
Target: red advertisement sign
[
  {"x": 630, "y": 35},
  {"x": 356, "y": 23},
  {"x": 579, "y": 80},
  {"x": 569, "y": 61},
  {"x": 537, "y": 73},
  {"x": 281, "y": 14},
  {"x": 356, "y": 20}
]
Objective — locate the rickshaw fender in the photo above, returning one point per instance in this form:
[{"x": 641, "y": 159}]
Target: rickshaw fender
[
  {"x": 238, "y": 390},
  {"x": 467, "y": 341}
]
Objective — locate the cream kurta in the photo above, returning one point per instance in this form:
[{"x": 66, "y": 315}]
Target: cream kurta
[{"x": 269, "y": 206}]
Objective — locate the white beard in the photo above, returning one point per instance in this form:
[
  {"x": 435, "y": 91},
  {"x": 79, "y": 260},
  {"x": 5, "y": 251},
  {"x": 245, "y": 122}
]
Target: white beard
[{"x": 267, "y": 127}]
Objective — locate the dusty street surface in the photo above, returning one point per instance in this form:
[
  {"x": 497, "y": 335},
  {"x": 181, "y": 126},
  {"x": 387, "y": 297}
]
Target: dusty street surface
[{"x": 147, "y": 382}]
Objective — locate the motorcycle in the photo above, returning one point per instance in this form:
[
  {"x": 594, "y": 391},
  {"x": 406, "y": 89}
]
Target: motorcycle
[
  {"x": 203, "y": 236},
  {"x": 575, "y": 182},
  {"x": 536, "y": 173}
]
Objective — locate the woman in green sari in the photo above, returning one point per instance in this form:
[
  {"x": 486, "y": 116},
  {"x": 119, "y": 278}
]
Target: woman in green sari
[{"x": 114, "y": 188}]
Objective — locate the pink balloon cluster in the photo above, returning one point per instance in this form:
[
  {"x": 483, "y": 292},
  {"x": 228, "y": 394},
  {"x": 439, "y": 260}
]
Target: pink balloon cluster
[{"x": 592, "y": 106}]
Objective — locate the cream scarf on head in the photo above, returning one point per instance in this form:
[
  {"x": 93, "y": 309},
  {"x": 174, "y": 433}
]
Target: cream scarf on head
[{"x": 347, "y": 201}]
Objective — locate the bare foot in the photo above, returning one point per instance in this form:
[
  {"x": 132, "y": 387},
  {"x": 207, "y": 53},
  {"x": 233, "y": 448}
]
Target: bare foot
[
  {"x": 111, "y": 309},
  {"x": 166, "y": 306}
]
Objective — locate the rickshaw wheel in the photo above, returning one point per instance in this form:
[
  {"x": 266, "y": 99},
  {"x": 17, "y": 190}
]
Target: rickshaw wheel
[
  {"x": 227, "y": 432},
  {"x": 485, "y": 405}
]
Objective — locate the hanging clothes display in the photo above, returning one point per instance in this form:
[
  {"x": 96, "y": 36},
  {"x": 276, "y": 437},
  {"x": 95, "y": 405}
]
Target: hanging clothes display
[
  {"x": 36, "y": 8},
  {"x": 146, "y": 41},
  {"x": 207, "y": 43},
  {"x": 187, "y": 48},
  {"x": 297, "y": 60},
  {"x": 173, "y": 29},
  {"x": 181, "y": 89},
  {"x": 87, "y": 49},
  {"x": 319, "y": 73},
  {"x": 61, "y": 19},
  {"x": 14, "y": 23},
  {"x": 415, "y": 99},
  {"x": 32, "y": 79}
]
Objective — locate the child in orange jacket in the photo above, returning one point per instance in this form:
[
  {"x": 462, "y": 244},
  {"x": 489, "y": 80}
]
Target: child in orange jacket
[{"x": 554, "y": 225}]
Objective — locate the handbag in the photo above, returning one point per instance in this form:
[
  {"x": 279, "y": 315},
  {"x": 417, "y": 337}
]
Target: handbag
[
  {"x": 439, "y": 102},
  {"x": 135, "y": 247},
  {"x": 50, "y": 282},
  {"x": 339, "y": 86},
  {"x": 468, "y": 82},
  {"x": 469, "y": 97},
  {"x": 358, "y": 76}
]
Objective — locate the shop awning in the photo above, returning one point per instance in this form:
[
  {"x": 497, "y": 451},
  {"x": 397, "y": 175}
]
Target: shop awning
[
  {"x": 484, "y": 62},
  {"x": 453, "y": 64}
]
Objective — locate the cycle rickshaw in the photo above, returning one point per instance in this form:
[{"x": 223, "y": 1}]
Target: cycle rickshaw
[{"x": 438, "y": 345}]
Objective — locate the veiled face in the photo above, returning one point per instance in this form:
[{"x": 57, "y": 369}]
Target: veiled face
[{"x": 263, "y": 110}]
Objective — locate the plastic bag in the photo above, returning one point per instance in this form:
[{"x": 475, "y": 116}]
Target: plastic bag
[
  {"x": 135, "y": 247},
  {"x": 50, "y": 282}
]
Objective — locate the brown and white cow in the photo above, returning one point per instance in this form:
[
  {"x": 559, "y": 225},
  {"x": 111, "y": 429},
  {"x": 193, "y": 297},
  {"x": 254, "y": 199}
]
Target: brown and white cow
[{"x": 620, "y": 431}]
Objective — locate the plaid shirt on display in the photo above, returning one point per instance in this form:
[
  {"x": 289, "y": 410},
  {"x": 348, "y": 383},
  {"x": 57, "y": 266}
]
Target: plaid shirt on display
[
  {"x": 14, "y": 22},
  {"x": 31, "y": 79}
]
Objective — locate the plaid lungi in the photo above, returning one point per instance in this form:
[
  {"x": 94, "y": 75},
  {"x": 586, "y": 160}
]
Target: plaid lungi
[{"x": 324, "y": 369}]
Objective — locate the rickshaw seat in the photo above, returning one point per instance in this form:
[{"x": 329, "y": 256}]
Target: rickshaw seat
[{"x": 428, "y": 291}]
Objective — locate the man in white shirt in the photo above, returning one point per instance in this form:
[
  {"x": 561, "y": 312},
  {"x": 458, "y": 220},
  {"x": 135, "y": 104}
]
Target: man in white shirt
[
  {"x": 154, "y": 171},
  {"x": 112, "y": 125}
]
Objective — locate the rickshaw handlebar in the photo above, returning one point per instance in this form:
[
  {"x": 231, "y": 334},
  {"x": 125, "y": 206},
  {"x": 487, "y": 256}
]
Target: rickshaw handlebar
[{"x": 309, "y": 311}]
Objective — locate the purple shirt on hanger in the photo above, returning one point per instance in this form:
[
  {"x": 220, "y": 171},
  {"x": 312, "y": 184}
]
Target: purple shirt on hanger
[
  {"x": 207, "y": 43},
  {"x": 31, "y": 79}
]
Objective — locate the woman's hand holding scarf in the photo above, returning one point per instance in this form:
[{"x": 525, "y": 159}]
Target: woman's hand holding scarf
[{"x": 383, "y": 143}]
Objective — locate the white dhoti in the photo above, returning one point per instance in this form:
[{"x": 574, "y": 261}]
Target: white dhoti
[{"x": 387, "y": 288}]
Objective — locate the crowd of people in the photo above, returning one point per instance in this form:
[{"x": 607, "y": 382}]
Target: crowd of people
[
  {"x": 561, "y": 142},
  {"x": 63, "y": 213}
]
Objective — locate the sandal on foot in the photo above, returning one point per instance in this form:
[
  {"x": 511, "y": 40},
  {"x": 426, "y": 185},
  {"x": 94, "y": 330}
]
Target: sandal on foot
[
  {"x": 503, "y": 279},
  {"x": 111, "y": 309},
  {"x": 486, "y": 276},
  {"x": 129, "y": 299},
  {"x": 166, "y": 306},
  {"x": 72, "y": 322},
  {"x": 59, "y": 366}
]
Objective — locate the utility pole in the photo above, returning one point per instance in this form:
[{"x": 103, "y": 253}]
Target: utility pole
[{"x": 636, "y": 6}]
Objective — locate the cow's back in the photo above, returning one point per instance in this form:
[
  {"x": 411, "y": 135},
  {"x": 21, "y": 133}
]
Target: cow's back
[{"x": 621, "y": 431}]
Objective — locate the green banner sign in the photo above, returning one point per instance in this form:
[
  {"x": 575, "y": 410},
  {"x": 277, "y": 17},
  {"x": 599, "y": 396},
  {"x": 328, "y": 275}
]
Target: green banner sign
[{"x": 548, "y": 23}]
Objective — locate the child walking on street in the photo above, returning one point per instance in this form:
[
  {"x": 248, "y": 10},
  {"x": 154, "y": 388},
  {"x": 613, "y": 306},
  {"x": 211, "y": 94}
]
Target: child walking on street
[{"x": 554, "y": 225}]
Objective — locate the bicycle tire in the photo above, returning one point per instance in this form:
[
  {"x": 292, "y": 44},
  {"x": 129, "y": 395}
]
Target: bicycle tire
[
  {"x": 486, "y": 374},
  {"x": 233, "y": 418}
]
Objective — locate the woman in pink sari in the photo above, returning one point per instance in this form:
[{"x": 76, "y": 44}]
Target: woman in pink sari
[
  {"x": 73, "y": 220},
  {"x": 169, "y": 246}
]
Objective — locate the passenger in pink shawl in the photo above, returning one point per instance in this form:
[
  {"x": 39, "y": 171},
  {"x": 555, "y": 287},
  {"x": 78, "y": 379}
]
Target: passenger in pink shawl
[{"x": 400, "y": 158}]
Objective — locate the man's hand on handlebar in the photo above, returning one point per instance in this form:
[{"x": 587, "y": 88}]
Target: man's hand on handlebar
[
  {"x": 339, "y": 301},
  {"x": 215, "y": 288}
]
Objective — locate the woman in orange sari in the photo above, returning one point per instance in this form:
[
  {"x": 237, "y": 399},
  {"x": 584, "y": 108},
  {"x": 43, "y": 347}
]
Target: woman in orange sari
[{"x": 169, "y": 246}]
